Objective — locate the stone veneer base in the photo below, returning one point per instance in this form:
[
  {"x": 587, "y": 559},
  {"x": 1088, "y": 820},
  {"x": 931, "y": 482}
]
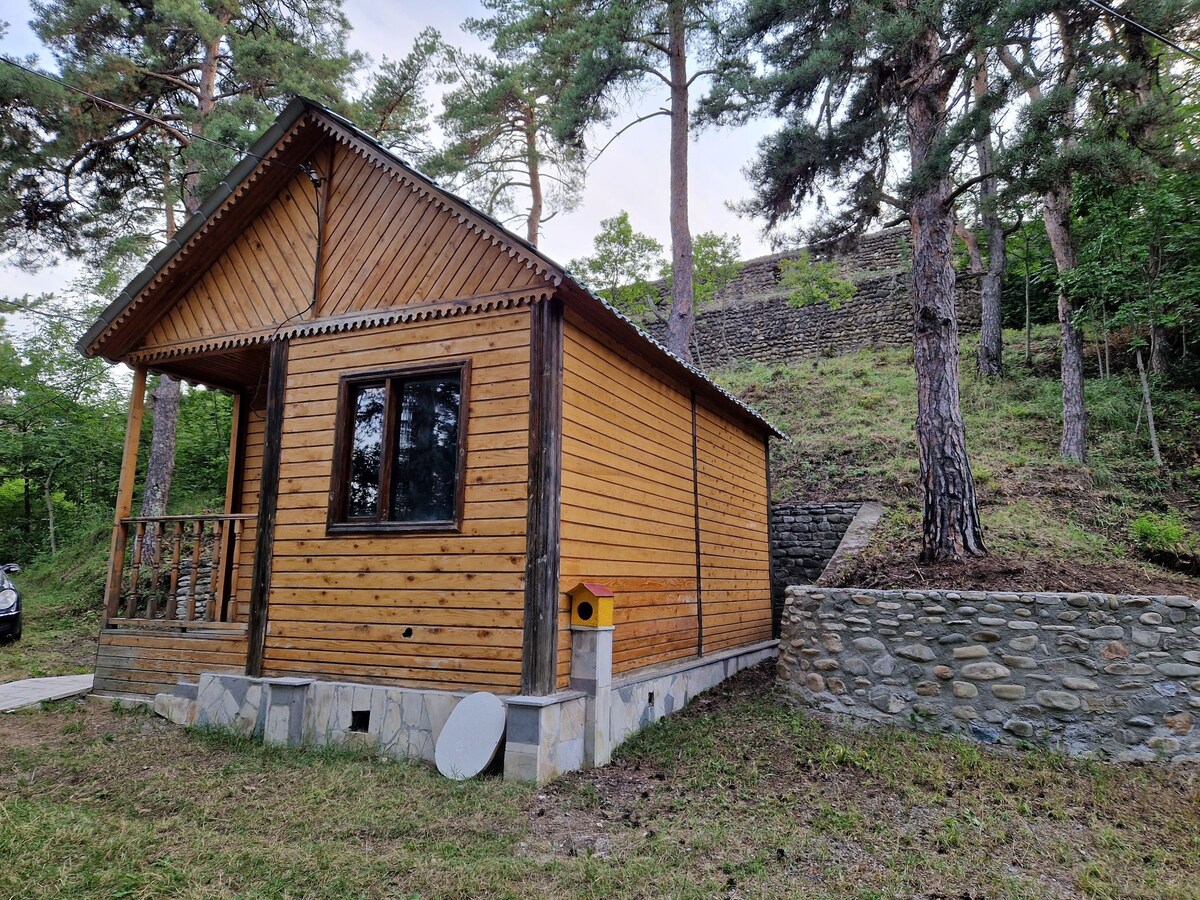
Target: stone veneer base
[{"x": 546, "y": 736}]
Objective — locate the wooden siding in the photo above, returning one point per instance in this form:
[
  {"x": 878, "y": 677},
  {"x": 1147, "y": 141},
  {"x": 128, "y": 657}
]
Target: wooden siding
[
  {"x": 262, "y": 278},
  {"x": 734, "y": 544},
  {"x": 340, "y": 606},
  {"x": 145, "y": 663},
  {"x": 389, "y": 242},
  {"x": 628, "y": 515}
]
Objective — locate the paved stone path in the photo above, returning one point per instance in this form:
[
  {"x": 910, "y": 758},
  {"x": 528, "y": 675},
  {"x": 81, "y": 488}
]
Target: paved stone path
[{"x": 19, "y": 694}]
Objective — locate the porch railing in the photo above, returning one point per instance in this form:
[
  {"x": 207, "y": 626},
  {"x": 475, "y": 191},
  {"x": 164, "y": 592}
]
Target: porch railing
[{"x": 176, "y": 571}]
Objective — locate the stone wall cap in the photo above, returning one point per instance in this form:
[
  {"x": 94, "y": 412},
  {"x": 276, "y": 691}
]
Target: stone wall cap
[{"x": 546, "y": 700}]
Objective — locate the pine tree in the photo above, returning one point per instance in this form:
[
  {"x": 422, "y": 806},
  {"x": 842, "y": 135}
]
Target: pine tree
[
  {"x": 851, "y": 81},
  {"x": 220, "y": 70},
  {"x": 605, "y": 50},
  {"x": 502, "y": 149}
]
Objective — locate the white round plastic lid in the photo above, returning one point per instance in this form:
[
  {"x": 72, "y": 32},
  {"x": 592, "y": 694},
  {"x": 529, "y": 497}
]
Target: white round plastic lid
[{"x": 470, "y": 737}]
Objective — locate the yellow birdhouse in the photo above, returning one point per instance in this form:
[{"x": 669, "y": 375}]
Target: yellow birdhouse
[{"x": 591, "y": 606}]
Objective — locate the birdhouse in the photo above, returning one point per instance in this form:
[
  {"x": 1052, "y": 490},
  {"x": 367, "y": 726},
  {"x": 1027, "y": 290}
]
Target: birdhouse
[{"x": 591, "y": 606}]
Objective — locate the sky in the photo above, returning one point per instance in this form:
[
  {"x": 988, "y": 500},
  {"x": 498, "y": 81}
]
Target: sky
[{"x": 631, "y": 175}]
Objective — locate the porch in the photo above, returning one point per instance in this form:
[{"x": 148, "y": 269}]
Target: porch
[{"x": 180, "y": 593}]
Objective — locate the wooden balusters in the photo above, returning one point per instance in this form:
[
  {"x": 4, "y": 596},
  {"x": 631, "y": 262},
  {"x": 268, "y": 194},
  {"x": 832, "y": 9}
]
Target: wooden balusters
[
  {"x": 135, "y": 571},
  {"x": 197, "y": 546},
  {"x": 234, "y": 571},
  {"x": 176, "y": 551}
]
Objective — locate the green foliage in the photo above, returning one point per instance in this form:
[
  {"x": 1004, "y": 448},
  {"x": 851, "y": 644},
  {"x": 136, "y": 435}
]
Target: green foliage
[
  {"x": 1139, "y": 260},
  {"x": 394, "y": 108},
  {"x": 220, "y": 70},
  {"x": 621, "y": 266},
  {"x": 813, "y": 283},
  {"x": 716, "y": 261},
  {"x": 1162, "y": 534}
]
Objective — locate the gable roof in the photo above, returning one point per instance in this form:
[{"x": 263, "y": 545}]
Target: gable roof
[{"x": 269, "y": 156}]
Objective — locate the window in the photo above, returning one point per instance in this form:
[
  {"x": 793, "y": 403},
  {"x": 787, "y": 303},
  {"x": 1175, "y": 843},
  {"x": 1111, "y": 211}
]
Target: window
[{"x": 400, "y": 447}]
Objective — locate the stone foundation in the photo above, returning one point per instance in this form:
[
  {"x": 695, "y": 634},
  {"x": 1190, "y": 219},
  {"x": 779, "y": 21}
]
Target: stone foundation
[
  {"x": 1087, "y": 674},
  {"x": 545, "y": 736}
]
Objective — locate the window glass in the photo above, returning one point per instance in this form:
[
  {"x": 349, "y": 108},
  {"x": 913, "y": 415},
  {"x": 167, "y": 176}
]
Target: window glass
[
  {"x": 362, "y": 496},
  {"x": 425, "y": 461}
]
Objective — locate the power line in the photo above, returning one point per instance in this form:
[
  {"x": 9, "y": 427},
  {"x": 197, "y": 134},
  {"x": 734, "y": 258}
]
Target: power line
[
  {"x": 1140, "y": 27},
  {"x": 136, "y": 113}
]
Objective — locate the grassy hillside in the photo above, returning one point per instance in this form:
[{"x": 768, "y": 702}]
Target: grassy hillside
[{"x": 1048, "y": 525}]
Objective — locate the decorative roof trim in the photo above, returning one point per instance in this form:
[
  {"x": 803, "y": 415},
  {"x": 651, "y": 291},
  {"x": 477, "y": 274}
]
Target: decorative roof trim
[
  {"x": 426, "y": 189},
  {"x": 439, "y": 309}
]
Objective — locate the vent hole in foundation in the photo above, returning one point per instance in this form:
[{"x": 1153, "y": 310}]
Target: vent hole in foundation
[
  {"x": 407, "y": 632},
  {"x": 360, "y": 720},
  {"x": 650, "y": 699}
]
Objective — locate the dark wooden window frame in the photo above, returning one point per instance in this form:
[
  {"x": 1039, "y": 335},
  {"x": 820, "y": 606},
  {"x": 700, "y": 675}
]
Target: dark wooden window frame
[{"x": 343, "y": 441}]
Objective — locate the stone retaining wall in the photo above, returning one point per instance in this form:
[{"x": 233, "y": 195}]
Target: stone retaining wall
[
  {"x": 1117, "y": 676},
  {"x": 750, "y": 319},
  {"x": 804, "y": 537}
]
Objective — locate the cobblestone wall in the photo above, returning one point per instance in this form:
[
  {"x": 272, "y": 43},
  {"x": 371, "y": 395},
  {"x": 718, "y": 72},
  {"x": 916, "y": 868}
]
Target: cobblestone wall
[
  {"x": 750, "y": 318},
  {"x": 1117, "y": 676}
]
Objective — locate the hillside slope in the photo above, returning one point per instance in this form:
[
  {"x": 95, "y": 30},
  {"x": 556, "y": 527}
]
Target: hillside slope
[{"x": 1049, "y": 526}]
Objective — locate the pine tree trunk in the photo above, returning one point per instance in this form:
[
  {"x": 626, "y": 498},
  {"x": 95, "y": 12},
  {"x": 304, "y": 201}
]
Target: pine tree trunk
[
  {"x": 950, "y": 528},
  {"x": 164, "y": 406},
  {"x": 1056, "y": 213},
  {"x": 1160, "y": 354},
  {"x": 682, "y": 320},
  {"x": 533, "y": 222},
  {"x": 991, "y": 289}
]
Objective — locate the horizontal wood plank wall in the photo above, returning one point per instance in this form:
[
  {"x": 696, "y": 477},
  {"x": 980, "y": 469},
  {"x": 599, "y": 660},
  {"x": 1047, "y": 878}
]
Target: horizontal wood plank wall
[
  {"x": 147, "y": 663},
  {"x": 435, "y": 610},
  {"x": 627, "y": 501},
  {"x": 734, "y": 544},
  {"x": 263, "y": 277},
  {"x": 387, "y": 245}
]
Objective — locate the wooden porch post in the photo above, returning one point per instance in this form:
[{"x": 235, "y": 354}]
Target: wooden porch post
[
  {"x": 129, "y": 456},
  {"x": 227, "y": 531},
  {"x": 260, "y": 583}
]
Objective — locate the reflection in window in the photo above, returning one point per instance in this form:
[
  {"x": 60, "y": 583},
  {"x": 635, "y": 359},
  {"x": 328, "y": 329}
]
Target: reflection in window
[
  {"x": 426, "y": 451},
  {"x": 362, "y": 498},
  {"x": 402, "y": 464}
]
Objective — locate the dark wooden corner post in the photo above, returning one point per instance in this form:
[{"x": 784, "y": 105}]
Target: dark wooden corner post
[
  {"x": 268, "y": 497},
  {"x": 129, "y": 458},
  {"x": 539, "y": 656}
]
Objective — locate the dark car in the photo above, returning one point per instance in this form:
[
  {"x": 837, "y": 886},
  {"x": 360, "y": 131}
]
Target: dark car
[{"x": 10, "y": 606}]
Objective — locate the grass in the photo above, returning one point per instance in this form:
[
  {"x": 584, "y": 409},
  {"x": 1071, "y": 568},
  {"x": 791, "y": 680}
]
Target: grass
[
  {"x": 61, "y": 599},
  {"x": 739, "y": 796},
  {"x": 851, "y": 418}
]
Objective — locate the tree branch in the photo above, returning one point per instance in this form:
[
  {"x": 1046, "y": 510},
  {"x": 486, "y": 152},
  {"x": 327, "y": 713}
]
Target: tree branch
[{"x": 640, "y": 119}]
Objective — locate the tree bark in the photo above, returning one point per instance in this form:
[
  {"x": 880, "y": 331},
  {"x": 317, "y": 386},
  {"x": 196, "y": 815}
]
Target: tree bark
[
  {"x": 951, "y": 529},
  {"x": 682, "y": 320},
  {"x": 1056, "y": 213},
  {"x": 164, "y": 407},
  {"x": 533, "y": 222},
  {"x": 991, "y": 288}
]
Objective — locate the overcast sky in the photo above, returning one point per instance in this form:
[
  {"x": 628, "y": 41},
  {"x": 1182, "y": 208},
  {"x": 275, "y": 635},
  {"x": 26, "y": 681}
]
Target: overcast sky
[{"x": 631, "y": 175}]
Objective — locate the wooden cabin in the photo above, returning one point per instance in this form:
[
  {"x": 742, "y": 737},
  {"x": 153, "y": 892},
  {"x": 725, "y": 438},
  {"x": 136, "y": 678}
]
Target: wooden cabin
[{"x": 437, "y": 435}]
